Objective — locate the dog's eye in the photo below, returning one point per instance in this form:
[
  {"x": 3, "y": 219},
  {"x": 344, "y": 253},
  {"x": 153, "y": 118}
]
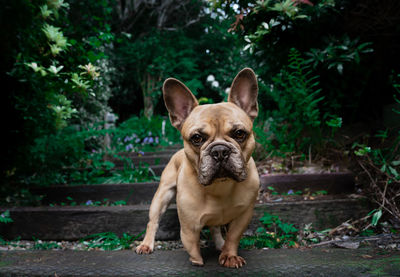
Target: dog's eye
[
  {"x": 239, "y": 135},
  {"x": 197, "y": 139}
]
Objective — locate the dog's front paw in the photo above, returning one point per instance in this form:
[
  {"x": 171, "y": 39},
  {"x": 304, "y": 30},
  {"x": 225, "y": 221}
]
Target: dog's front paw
[
  {"x": 144, "y": 249},
  {"x": 231, "y": 261}
]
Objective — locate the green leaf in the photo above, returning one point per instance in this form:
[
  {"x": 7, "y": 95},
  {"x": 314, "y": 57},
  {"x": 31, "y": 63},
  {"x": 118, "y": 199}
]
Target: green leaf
[
  {"x": 375, "y": 217},
  {"x": 393, "y": 171},
  {"x": 260, "y": 230}
]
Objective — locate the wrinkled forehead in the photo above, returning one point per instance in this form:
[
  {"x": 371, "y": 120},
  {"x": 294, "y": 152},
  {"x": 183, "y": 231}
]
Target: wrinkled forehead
[{"x": 217, "y": 116}]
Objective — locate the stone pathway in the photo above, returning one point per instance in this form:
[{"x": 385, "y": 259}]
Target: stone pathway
[{"x": 281, "y": 262}]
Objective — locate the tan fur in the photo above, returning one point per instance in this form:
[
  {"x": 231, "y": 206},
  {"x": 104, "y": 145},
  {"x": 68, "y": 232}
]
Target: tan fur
[{"x": 209, "y": 200}]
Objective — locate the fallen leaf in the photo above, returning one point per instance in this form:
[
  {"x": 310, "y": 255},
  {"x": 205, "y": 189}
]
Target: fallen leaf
[{"x": 366, "y": 256}]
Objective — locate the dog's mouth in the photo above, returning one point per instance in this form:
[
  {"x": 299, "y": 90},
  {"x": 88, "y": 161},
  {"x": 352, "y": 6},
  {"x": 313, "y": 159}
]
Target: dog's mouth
[{"x": 221, "y": 161}]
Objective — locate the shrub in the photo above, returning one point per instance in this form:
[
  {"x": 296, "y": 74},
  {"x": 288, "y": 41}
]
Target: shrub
[
  {"x": 139, "y": 133},
  {"x": 295, "y": 125}
]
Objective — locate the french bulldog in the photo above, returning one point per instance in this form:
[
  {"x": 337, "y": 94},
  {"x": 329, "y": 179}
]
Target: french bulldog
[{"x": 214, "y": 178}]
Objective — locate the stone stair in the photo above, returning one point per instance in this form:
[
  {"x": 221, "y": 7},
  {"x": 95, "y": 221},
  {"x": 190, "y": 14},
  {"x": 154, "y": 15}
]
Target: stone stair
[{"x": 53, "y": 221}]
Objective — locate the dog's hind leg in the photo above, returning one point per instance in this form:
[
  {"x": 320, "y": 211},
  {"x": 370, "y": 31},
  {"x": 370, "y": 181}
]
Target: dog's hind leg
[
  {"x": 217, "y": 237},
  {"x": 165, "y": 193}
]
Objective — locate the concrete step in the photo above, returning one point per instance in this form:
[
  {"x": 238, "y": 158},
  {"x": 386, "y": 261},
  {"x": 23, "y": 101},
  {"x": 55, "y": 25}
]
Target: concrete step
[
  {"x": 146, "y": 154},
  {"x": 71, "y": 223},
  {"x": 332, "y": 183},
  {"x": 142, "y": 193},
  {"x": 136, "y": 193},
  {"x": 332, "y": 262},
  {"x": 157, "y": 169},
  {"x": 140, "y": 160}
]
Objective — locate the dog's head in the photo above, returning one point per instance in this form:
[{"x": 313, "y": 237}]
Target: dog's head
[{"x": 218, "y": 138}]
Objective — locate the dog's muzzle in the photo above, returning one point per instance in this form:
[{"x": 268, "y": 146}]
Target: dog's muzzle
[{"x": 221, "y": 160}]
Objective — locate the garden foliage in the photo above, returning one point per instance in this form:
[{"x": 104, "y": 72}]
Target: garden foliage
[
  {"x": 295, "y": 125},
  {"x": 273, "y": 234},
  {"x": 320, "y": 65},
  {"x": 61, "y": 78},
  {"x": 379, "y": 165}
]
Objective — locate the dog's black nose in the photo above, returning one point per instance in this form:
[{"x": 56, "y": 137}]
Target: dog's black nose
[{"x": 220, "y": 152}]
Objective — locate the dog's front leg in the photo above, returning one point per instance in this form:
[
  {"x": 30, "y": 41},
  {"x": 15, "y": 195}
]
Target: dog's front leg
[
  {"x": 163, "y": 196},
  {"x": 229, "y": 256}
]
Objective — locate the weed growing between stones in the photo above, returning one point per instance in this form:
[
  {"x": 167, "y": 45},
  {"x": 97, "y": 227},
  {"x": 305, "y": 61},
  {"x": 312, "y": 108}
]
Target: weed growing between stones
[
  {"x": 105, "y": 203},
  {"x": 274, "y": 234},
  {"x": 109, "y": 241}
]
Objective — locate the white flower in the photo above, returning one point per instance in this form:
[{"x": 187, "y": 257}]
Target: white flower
[
  {"x": 210, "y": 78},
  {"x": 215, "y": 84},
  {"x": 227, "y": 90}
]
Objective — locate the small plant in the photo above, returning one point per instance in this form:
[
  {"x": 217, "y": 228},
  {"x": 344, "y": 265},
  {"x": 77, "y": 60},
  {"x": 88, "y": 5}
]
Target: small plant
[
  {"x": 361, "y": 149},
  {"x": 319, "y": 193},
  {"x": 44, "y": 245},
  {"x": 376, "y": 215},
  {"x": 335, "y": 123},
  {"x": 13, "y": 242},
  {"x": 272, "y": 190},
  {"x": 119, "y": 203},
  {"x": 291, "y": 192},
  {"x": 105, "y": 202},
  {"x": 367, "y": 233},
  {"x": 5, "y": 217},
  {"x": 109, "y": 241},
  {"x": 274, "y": 234},
  {"x": 70, "y": 202}
]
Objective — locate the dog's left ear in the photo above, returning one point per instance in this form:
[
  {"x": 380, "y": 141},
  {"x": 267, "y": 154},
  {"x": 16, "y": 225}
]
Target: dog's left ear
[{"x": 244, "y": 92}]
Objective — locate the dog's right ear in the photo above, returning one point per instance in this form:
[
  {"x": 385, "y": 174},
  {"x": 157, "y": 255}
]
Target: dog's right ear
[{"x": 179, "y": 101}]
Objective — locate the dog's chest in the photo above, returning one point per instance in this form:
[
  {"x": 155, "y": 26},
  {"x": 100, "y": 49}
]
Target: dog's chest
[
  {"x": 214, "y": 205},
  {"x": 217, "y": 213},
  {"x": 220, "y": 210}
]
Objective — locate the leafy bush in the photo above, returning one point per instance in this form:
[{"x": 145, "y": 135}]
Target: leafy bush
[
  {"x": 60, "y": 76},
  {"x": 379, "y": 168},
  {"x": 139, "y": 133},
  {"x": 295, "y": 125},
  {"x": 338, "y": 53},
  {"x": 73, "y": 156},
  {"x": 65, "y": 74},
  {"x": 350, "y": 63}
]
